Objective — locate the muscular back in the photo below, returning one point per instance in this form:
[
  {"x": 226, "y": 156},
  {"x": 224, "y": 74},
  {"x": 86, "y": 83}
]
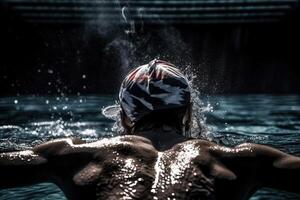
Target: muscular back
[
  {"x": 130, "y": 167},
  {"x": 137, "y": 171}
]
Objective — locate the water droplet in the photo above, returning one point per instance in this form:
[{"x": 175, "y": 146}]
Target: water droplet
[{"x": 16, "y": 101}]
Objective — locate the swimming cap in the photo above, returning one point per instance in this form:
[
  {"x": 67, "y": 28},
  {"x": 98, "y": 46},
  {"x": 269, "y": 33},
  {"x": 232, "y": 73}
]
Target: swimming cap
[{"x": 151, "y": 87}]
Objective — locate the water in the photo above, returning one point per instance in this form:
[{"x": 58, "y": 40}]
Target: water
[{"x": 27, "y": 121}]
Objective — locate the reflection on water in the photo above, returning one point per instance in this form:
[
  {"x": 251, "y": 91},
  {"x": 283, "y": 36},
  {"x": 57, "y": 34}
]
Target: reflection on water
[{"x": 27, "y": 121}]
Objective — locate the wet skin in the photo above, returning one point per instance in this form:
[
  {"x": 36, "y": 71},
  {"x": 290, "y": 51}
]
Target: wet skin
[{"x": 131, "y": 167}]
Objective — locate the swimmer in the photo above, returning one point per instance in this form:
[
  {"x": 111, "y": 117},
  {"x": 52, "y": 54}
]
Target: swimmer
[{"x": 153, "y": 159}]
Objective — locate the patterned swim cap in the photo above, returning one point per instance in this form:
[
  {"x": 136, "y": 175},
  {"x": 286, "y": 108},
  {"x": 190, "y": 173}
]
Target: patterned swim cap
[{"x": 151, "y": 87}]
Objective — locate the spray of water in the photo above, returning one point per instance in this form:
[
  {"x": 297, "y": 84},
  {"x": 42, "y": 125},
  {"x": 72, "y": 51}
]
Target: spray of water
[{"x": 199, "y": 128}]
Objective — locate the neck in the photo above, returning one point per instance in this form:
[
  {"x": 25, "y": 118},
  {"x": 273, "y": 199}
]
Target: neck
[{"x": 163, "y": 138}]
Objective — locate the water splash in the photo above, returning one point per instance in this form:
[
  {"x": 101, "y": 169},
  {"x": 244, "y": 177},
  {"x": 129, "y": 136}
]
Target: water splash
[
  {"x": 123, "y": 14},
  {"x": 199, "y": 128},
  {"x": 113, "y": 112}
]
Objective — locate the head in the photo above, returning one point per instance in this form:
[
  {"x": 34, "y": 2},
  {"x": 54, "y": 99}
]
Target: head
[{"x": 153, "y": 96}]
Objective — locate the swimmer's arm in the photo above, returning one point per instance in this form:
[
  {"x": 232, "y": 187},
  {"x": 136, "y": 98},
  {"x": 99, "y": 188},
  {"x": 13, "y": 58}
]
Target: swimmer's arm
[
  {"x": 22, "y": 168},
  {"x": 40, "y": 164},
  {"x": 268, "y": 166},
  {"x": 276, "y": 169}
]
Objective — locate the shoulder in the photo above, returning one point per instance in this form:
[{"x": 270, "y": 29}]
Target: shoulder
[
  {"x": 241, "y": 149},
  {"x": 124, "y": 144},
  {"x": 246, "y": 150},
  {"x": 57, "y": 146}
]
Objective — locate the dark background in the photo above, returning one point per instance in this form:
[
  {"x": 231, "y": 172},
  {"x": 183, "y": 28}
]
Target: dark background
[{"x": 92, "y": 58}]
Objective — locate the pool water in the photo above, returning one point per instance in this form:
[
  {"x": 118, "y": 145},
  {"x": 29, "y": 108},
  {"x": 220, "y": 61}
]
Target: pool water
[{"x": 231, "y": 120}]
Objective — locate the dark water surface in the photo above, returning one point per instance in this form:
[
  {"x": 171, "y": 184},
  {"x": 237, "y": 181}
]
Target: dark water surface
[{"x": 27, "y": 121}]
